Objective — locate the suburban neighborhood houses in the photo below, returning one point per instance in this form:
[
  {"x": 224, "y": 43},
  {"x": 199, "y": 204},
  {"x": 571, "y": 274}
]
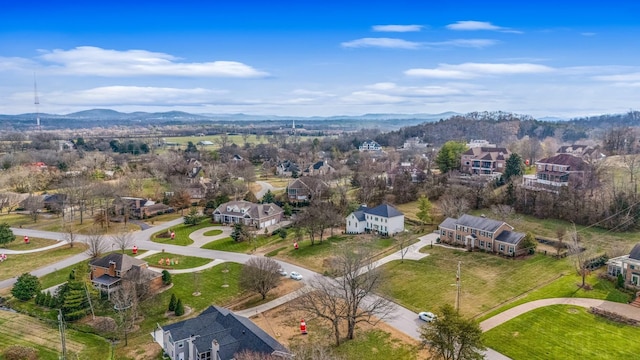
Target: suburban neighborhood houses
[{"x": 253, "y": 246}]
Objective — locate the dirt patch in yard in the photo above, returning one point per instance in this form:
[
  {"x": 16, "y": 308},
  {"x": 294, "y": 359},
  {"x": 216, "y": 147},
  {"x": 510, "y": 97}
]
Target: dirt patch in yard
[{"x": 286, "y": 286}]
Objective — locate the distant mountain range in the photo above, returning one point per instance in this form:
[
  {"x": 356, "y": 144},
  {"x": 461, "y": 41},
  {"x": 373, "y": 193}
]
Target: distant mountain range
[{"x": 108, "y": 114}]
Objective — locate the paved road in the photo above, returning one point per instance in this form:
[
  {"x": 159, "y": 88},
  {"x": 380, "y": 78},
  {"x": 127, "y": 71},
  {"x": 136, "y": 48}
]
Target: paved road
[{"x": 264, "y": 187}]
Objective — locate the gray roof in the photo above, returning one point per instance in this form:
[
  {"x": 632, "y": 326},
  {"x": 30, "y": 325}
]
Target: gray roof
[
  {"x": 510, "y": 237},
  {"x": 359, "y": 214},
  {"x": 479, "y": 223},
  {"x": 383, "y": 210},
  {"x": 123, "y": 262},
  {"x": 635, "y": 252},
  {"x": 449, "y": 223},
  {"x": 105, "y": 279},
  {"x": 233, "y": 333},
  {"x": 246, "y": 208}
]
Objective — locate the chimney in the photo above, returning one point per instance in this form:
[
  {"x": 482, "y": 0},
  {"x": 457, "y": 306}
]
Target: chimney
[
  {"x": 215, "y": 348},
  {"x": 192, "y": 348},
  {"x": 112, "y": 268}
]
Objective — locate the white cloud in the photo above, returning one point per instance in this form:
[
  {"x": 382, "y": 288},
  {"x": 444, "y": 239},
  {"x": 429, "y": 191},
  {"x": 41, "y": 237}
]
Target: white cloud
[
  {"x": 474, "y": 70},
  {"x": 89, "y": 60},
  {"x": 472, "y": 43},
  {"x": 396, "y": 28},
  {"x": 15, "y": 63},
  {"x": 471, "y": 25},
  {"x": 629, "y": 77},
  {"x": 306, "y": 92},
  {"x": 132, "y": 95},
  {"x": 371, "y": 97},
  {"x": 389, "y": 43}
]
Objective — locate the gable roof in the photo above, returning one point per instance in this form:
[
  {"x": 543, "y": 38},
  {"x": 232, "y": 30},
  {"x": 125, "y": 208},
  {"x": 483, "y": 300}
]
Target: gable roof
[
  {"x": 635, "y": 252},
  {"x": 123, "y": 262},
  {"x": 575, "y": 163},
  {"x": 481, "y": 223},
  {"x": 449, "y": 223},
  {"x": 510, "y": 237},
  {"x": 487, "y": 153},
  {"x": 359, "y": 214},
  {"x": 243, "y": 208},
  {"x": 233, "y": 333},
  {"x": 310, "y": 183},
  {"x": 384, "y": 210}
]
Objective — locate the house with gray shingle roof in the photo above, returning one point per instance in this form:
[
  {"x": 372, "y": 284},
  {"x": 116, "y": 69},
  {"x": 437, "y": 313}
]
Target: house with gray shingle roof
[
  {"x": 217, "y": 334},
  {"x": 484, "y": 161},
  {"x": 321, "y": 167},
  {"x": 628, "y": 266},
  {"x": 306, "y": 188},
  {"x": 248, "y": 213},
  {"x": 383, "y": 219},
  {"x": 476, "y": 232},
  {"x": 108, "y": 271}
]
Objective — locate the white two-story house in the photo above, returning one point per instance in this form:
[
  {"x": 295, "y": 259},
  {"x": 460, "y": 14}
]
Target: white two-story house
[{"x": 383, "y": 219}]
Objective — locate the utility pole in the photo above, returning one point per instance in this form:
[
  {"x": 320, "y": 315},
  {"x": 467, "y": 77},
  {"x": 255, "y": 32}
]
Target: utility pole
[
  {"x": 63, "y": 344},
  {"x": 458, "y": 288}
]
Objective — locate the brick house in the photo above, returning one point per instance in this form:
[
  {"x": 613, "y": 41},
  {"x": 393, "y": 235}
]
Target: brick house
[
  {"x": 107, "y": 272},
  {"x": 475, "y": 232},
  {"x": 628, "y": 266},
  {"x": 485, "y": 161},
  {"x": 248, "y": 213},
  {"x": 321, "y": 167},
  {"x": 306, "y": 188},
  {"x": 554, "y": 172}
]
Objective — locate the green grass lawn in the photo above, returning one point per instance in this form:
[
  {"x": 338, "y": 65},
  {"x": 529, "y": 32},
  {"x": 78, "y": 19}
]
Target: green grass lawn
[
  {"x": 34, "y": 243},
  {"x": 487, "y": 280},
  {"x": 51, "y": 222},
  {"x": 213, "y": 232},
  {"x": 228, "y": 244},
  {"x": 18, "y": 329},
  {"x": 182, "y": 234},
  {"x": 567, "y": 287},
  {"x": 564, "y": 332},
  {"x": 184, "y": 262},
  {"x": 16, "y": 265}
]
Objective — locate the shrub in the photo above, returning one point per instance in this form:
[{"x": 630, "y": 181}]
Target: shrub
[
  {"x": 166, "y": 277},
  {"x": 179, "y": 308},
  {"x": 173, "y": 302},
  {"x": 17, "y": 352},
  {"x": 26, "y": 287},
  {"x": 620, "y": 282}
]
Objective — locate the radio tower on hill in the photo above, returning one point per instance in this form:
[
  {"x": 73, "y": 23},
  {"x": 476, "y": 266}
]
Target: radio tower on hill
[{"x": 36, "y": 101}]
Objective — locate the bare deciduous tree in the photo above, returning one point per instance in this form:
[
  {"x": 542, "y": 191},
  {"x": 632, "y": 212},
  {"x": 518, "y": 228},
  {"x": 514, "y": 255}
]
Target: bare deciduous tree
[
  {"x": 453, "y": 206},
  {"x": 122, "y": 240},
  {"x": 70, "y": 235},
  {"x": 96, "y": 244},
  {"x": 349, "y": 298},
  {"x": 34, "y": 204},
  {"x": 125, "y": 304},
  {"x": 260, "y": 274},
  {"x": 580, "y": 254},
  {"x": 9, "y": 200}
]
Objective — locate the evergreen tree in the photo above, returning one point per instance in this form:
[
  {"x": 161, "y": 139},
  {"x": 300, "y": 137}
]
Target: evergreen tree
[
  {"x": 179, "y": 308},
  {"x": 529, "y": 242},
  {"x": 173, "y": 302},
  {"x": 166, "y": 277},
  {"x": 6, "y": 235},
  {"x": 74, "y": 301},
  {"x": 424, "y": 205},
  {"x": 513, "y": 167},
  {"x": 268, "y": 197},
  {"x": 26, "y": 287},
  {"x": 288, "y": 209}
]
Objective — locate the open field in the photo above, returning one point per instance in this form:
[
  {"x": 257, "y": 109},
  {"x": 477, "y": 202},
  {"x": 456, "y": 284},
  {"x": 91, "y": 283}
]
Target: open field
[
  {"x": 51, "y": 222},
  {"x": 564, "y": 332},
  {"x": 18, "y": 329},
  {"x": 16, "y": 265},
  {"x": 180, "y": 261},
  {"x": 182, "y": 233}
]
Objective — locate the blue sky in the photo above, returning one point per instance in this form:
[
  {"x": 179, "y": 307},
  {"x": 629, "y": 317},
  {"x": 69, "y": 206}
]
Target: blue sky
[{"x": 323, "y": 58}]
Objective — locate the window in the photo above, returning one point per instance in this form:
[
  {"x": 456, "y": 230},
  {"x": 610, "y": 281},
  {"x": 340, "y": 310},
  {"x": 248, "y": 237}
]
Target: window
[
  {"x": 488, "y": 245},
  {"x": 349, "y": 222},
  {"x": 180, "y": 345},
  {"x": 473, "y": 231},
  {"x": 501, "y": 247},
  {"x": 481, "y": 243},
  {"x": 458, "y": 237},
  {"x": 510, "y": 249},
  {"x": 635, "y": 279}
]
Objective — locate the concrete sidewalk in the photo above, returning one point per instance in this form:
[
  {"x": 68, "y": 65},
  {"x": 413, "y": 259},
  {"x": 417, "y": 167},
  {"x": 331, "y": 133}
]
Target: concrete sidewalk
[{"x": 273, "y": 303}]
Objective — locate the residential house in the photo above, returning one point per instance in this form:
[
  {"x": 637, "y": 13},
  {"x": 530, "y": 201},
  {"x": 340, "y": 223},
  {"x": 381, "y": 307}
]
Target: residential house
[
  {"x": 140, "y": 208},
  {"x": 319, "y": 168},
  {"x": 476, "y": 232},
  {"x": 55, "y": 202},
  {"x": 480, "y": 143},
  {"x": 217, "y": 334},
  {"x": 586, "y": 152},
  {"x": 306, "y": 188},
  {"x": 107, "y": 272},
  {"x": 247, "y": 213},
  {"x": 414, "y": 143},
  {"x": 554, "y": 172},
  {"x": 485, "y": 161},
  {"x": 383, "y": 219},
  {"x": 287, "y": 168},
  {"x": 417, "y": 174},
  {"x": 370, "y": 145},
  {"x": 205, "y": 143},
  {"x": 628, "y": 266}
]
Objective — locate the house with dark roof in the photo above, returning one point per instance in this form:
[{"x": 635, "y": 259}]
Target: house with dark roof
[
  {"x": 217, "y": 334},
  {"x": 554, "y": 172},
  {"x": 586, "y": 152},
  {"x": 383, "y": 219},
  {"x": 287, "y": 168},
  {"x": 108, "y": 271},
  {"x": 476, "y": 232},
  {"x": 140, "y": 208},
  {"x": 306, "y": 188},
  {"x": 484, "y": 161},
  {"x": 318, "y": 168},
  {"x": 248, "y": 213},
  {"x": 370, "y": 145},
  {"x": 628, "y": 266}
]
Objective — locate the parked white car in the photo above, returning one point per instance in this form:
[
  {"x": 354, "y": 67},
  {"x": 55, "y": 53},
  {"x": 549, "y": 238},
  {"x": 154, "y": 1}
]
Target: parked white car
[
  {"x": 427, "y": 316},
  {"x": 295, "y": 276},
  {"x": 282, "y": 272}
]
